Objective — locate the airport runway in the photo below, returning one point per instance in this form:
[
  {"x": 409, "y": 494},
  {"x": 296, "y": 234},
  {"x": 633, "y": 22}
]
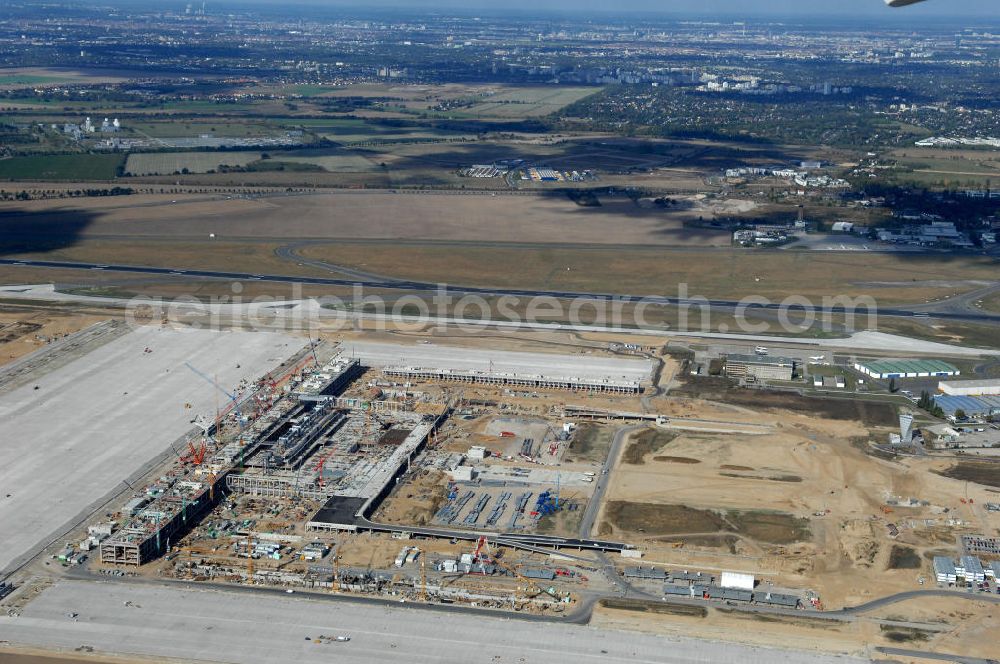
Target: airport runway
[
  {"x": 215, "y": 625},
  {"x": 426, "y": 287}
]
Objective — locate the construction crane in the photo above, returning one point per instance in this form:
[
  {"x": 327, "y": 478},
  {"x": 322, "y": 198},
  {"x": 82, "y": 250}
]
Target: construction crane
[
  {"x": 195, "y": 455},
  {"x": 423, "y": 578},
  {"x": 212, "y": 382},
  {"x": 319, "y": 467},
  {"x": 215, "y": 383},
  {"x": 250, "y": 557},
  {"x": 312, "y": 348}
]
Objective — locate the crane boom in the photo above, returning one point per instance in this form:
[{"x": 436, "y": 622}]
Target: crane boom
[{"x": 212, "y": 382}]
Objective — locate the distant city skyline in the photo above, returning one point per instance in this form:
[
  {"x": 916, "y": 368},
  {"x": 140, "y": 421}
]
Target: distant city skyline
[{"x": 730, "y": 8}]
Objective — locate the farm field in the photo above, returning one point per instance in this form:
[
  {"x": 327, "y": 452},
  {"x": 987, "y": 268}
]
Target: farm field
[
  {"x": 345, "y": 130},
  {"x": 193, "y": 128},
  {"x": 16, "y": 77},
  {"x": 168, "y": 163},
  {"x": 452, "y": 100},
  {"x": 331, "y": 160},
  {"x": 393, "y": 91},
  {"x": 79, "y": 167},
  {"x": 528, "y": 102},
  {"x": 953, "y": 167},
  {"x": 18, "y": 80}
]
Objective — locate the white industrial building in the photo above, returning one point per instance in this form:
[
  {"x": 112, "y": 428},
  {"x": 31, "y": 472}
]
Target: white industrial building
[
  {"x": 474, "y": 376},
  {"x": 970, "y": 569},
  {"x": 737, "y": 580},
  {"x": 944, "y": 570},
  {"x": 759, "y": 367},
  {"x": 463, "y": 474},
  {"x": 886, "y": 369},
  {"x": 970, "y": 388}
]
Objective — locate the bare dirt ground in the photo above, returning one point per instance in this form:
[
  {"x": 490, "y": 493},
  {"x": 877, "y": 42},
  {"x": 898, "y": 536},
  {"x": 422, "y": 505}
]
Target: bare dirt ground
[
  {"x": 34, "y": 656},
  {"x": 835, "y": 637},
  {"x": 971, "y": 625},
  {"x": 804, "y": 505},
  {"x": 953, "y": 626},
  {"x": 415, "y": 502},
  {"x": 25, "y": 331},
  {"x": 378, "y": 551}
]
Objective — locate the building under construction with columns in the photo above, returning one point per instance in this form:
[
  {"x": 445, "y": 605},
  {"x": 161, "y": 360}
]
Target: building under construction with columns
[
  {"x": 288, "y": 429},
  {"x": 472, "y": 376}
]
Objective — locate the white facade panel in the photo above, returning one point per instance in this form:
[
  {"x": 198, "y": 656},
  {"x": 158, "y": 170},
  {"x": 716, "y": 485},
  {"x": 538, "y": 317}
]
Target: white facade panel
[{"x": 737, "y": 580}]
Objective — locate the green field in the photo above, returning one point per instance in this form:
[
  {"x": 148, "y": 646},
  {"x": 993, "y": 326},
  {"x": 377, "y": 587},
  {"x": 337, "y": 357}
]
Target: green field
[
  {"x": 332, "y": 160},
  {"x": 81, "y": 167},
  {"x": 948, "y": 167},
  {"x": 528, "y": 102},
  {"x": 307, "y": 90},
  {"x": 168, "y": 163},
  {"x": 345, "y": 130},
  {"x": 185, "y": 129},
  {"x": 25, "y": 79}
]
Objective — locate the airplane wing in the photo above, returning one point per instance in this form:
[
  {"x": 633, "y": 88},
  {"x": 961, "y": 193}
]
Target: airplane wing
[{"x": 901, "y": 3}]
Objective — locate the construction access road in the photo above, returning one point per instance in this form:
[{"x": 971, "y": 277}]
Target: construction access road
[
  {"x": 601, "y": 485},
  {"x": 221, "y": 626}
]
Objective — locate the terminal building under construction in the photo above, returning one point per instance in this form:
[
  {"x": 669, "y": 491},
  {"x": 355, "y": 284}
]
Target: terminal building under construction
[
  {"x": 172, "y": 504},
  {"x": 472, "y": 376}
]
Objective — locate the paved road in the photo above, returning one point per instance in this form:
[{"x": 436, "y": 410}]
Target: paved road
[
  {"x": 531, "y": 540},
  {"x": 920, "y": 654},
  {"x": 603, "y": 479},
  {"x": 883, "y": 602},
  {"x": 223, "y": 626},
  {"x": 290, "y": 252},
  {"x": 426, "y": 287},
  {"x": 964, "y": 303}
]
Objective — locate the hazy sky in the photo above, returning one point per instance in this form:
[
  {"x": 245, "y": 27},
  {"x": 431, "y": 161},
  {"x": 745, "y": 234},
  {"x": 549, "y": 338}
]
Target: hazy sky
[{"x": 988, "y": 9}]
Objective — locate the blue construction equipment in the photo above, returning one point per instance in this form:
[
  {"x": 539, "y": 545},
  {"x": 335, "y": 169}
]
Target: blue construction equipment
[{"x": 546, "y": 504}]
